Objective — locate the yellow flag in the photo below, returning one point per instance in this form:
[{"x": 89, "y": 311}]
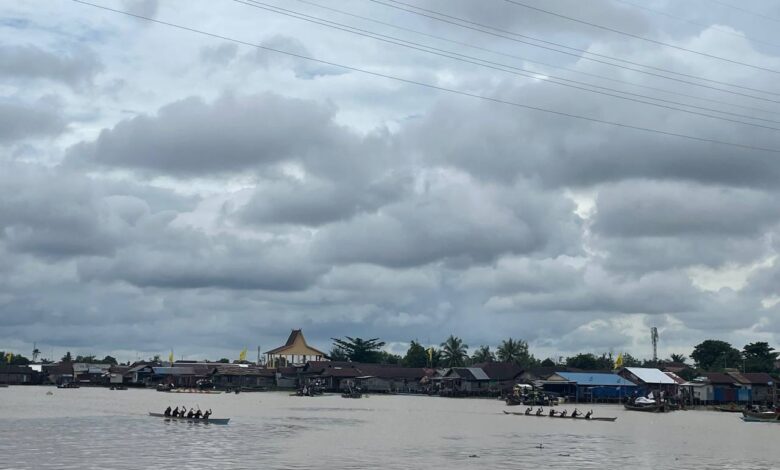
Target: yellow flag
[
  {"x": 170, "y": 357},
  {"x": 430, "y": 355},
  {"x": 619, "y": 361},
  {"x": 242, "y": 355},
  {"x": 9, "y": 357}
]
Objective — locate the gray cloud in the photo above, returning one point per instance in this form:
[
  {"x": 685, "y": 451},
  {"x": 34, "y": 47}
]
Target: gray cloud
[
  {"x": 20, "y": 121},
  {"x": 77, "y": 68},
  {"x": 453, "y": 219},
  {"x": 354, "y": 205},
  {"x": 191, "y": 137}
]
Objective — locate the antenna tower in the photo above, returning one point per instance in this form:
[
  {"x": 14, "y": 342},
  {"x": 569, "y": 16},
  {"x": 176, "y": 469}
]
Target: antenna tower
[{"x": 654, "y": 339}]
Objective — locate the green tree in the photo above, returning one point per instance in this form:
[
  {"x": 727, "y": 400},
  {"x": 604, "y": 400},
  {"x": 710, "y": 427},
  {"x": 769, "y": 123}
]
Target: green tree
[
  {"x": 389, "y": 358},
  {"x": 108, "y": 360},
  {"x": 416, "y": 356},
  {"x": 16, "y": 359},
  {"x": 86, "y": 359},
  {"x": 678, "y": 358},
  {"x": 224, "y": 360},
  {"x": 630, "y": 361},
  {"x": 483, "y": 354},
  {"x": 548, "y": 363},
  {"x": 759, "y": 357},
  {"x": 67, "y": 357},
  {"x": 516, "y": 351},
  {"x": 454, "y": 352},
  {"x": 360, "y": 350},
  {"x": 713, "y": 354},
  {"x": 585, "y": 361},
  {"x": 338, "y": 354}
]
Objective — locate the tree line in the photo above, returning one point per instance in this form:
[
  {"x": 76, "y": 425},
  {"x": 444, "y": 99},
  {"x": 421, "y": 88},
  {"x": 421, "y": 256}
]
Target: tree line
[{"x": 708, "y": 356}]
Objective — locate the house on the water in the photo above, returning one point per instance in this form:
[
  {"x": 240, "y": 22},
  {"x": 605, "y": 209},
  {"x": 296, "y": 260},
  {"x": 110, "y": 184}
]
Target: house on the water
[
  {"x": 589, "y": 386},
  {"x": 461, "y": 381},
  {"x": 650, "y": 380},
  {"x": 294, "y": 351}
]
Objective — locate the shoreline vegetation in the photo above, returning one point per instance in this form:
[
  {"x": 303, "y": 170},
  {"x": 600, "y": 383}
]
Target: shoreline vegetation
[{"x": 720, "y": 374}]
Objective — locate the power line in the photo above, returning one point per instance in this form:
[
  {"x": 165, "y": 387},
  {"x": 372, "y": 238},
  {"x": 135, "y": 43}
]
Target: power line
[
  {"x": 550, "y": 79},
  {"x": 698, "y": 23},
  {"x": 439, "y": 88},
  {"x": 578, "y": 56},
  {"x": 636, "y": 36},
  {"x": 745, "y": 10},
  {"x": 545, "y": 64}
]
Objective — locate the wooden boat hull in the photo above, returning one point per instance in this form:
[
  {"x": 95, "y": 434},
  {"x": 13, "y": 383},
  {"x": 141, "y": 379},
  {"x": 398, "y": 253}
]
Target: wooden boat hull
[
  {"x": 646, "y": 408},
  {"x": 559, "y": 417},
  {"x": 768, "y": 417},
  {"x": 192, "y": 420},
  {"x": 730, "y": 409},
  {"x": 209, "y": 392}
]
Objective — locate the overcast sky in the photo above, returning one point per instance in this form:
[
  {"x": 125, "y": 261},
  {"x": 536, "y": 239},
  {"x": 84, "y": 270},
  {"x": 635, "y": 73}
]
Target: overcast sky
[{"x": 163, "y": 189}]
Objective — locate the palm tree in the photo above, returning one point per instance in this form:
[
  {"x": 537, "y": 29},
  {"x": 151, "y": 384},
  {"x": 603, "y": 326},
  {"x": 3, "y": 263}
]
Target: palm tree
[
  {"x": 515, "y": 351},
  {"x": 454, "y": 352},
  {"x": 678, "y": 358},
  {"x": 483, "y": 354},
  {"x": 359, "y": 349}
]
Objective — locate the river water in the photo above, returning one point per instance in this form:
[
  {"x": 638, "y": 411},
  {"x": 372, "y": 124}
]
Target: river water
[{"x": 92, "y": 428}]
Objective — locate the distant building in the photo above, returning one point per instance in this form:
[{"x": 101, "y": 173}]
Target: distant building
[
  {"x": 294, "y": 351},
  {"x": 462, "y": 381},
  {"x": 503, "y": 376},
  {"x": 650, "y": 380},
  {"x": 589, "y": 386},
  {"x": 18, "y": 375}
]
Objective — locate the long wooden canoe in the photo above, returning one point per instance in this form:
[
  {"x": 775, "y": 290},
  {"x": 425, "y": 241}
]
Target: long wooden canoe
[
  {"x": 764, "y": 417},
  {"x": 192, "y": 420},
  {"x": 545, "y": 415}
]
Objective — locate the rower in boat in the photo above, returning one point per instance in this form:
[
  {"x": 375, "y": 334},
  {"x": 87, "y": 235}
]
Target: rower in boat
[
  {"x": 539, "y": 411},
  {"x": 167, "y": 411},
  {"x": 575, "y": 413},
  {"x": 191, "y": 413},
  {"x": 207, "y": 414},
  {"x": 588, "y": 414},
  {"x": 175, "y": 412},
  {"x": 528, "y": 410},
  {"x": 552, "y": 412},
  {"x": 198, "y": 414},
  {"x": 563, "y": 414}
]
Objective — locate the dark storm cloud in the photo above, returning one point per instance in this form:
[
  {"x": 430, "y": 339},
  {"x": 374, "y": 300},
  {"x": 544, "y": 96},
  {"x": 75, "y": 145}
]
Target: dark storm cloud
[
  {"x": 636, "y": 208},
  {"x": 507, "y": 142},
  {"x": 373, "y": 209},
  {"x": 454, "y": 219},
  {"x": 646, "y": 225},
  {"x": 20, "y": 121},
  {"x": 317, "y": 201},
  {"x": 75, "y": 68},
  {"x": 61, "y": 218},
  {"x": 191, "y": 137}
]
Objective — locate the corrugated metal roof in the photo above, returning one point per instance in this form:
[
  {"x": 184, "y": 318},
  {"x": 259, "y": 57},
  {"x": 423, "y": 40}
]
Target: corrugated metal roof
[
  {"x": 585, "y": 378},
  {"x": 478, "y": 373},
  {"x": 173, "y": 371},
  {"x": 650, "y": 376}
]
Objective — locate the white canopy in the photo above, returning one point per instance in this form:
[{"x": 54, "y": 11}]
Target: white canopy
[{"x": 651, "y": 376}]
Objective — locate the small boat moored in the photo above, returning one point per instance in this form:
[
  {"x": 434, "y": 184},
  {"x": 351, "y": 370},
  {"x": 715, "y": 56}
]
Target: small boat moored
[
  {"x": 761, "y": 416},
  {"x": 192, "y": 420}
]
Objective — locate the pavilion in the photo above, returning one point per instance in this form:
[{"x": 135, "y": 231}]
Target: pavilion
[{"x": 295, "y": 351}]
